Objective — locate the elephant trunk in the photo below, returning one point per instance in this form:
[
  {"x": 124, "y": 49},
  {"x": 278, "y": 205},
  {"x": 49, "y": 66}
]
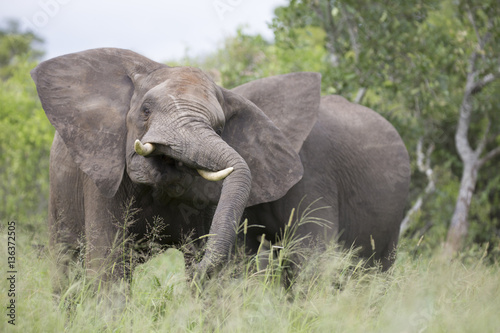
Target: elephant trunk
[
  {"x": 232, "y": 202},
  {"x": 213, "y": 157},
  {"x": 223, "y": 231}
]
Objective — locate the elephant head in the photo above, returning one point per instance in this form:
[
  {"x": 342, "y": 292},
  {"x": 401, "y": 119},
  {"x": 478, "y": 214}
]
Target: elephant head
[{"x": 118, "y": 112}]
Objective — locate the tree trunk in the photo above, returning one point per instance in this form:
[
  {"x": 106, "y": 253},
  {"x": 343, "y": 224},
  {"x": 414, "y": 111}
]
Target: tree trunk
[{"x": 459, "y": 225}]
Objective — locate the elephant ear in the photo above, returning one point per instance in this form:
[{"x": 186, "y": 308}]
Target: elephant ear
[
  {"x": 273, "y": 162},
  {"x": 291, "y": 101},
  {"x": 86, "y": 97}
]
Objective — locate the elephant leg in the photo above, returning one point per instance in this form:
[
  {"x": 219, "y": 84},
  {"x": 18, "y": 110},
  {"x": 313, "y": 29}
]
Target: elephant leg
[
  {"x": 317, "y": 227},
  {"x": 189, "y": 263},
  {"x": 66, "y": 237},
  {"x": 388, "y": 255},
  {"x": 106, "y": 253},
  {"x": 66, "y": 216},
  {"x": 315, "y": 220},
  {"x": 314, "y": 223}
]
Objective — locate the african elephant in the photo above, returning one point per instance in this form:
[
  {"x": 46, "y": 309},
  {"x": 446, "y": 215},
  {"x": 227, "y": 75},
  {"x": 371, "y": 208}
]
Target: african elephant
[{"x": 200, "y": 157}]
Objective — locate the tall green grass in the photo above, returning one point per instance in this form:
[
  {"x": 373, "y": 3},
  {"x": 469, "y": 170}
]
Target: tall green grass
[{"x": 333, "y": 293}]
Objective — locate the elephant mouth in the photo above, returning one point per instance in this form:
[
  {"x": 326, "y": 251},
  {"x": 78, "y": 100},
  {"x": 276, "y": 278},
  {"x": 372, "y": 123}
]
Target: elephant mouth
[
  {"x": 172, "y": 178},
  {"x": 169, "y": 161},
  {"x": 171, "y": 168},
  {"x": 152, "y": 150}
]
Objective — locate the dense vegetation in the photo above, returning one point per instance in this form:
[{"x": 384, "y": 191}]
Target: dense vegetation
[
  {"x": 411, "y": 62},
  {"x": 25, "y": 132}
]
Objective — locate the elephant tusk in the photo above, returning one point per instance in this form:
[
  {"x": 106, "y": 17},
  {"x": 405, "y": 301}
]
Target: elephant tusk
[
  {"x": 143, "y": 149},
  {"x": 215, "y": 176}
]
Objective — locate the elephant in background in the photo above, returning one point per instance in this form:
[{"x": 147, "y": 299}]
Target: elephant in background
[{"x": 201, "y": 157}]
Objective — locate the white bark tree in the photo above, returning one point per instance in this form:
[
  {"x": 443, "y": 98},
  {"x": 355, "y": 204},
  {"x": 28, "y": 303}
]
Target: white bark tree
[{"x": 473, "y": 159}]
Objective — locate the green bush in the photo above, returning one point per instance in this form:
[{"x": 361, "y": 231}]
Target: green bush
[{"x": 25, "y": 139}]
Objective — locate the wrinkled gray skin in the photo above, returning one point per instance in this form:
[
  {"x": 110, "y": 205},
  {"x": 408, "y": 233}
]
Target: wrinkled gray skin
[{"x": 284, "y": 141}]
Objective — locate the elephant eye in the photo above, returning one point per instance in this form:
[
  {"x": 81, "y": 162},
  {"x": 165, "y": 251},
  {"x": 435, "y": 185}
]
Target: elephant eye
[
  {"x": 146, "y": 111},
  {"x": 219, "y": 131}
]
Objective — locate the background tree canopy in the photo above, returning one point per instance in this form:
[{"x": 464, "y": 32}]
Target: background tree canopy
[
  {"x": 411, "y": 61},
  {"x": 25, "y": 132}
]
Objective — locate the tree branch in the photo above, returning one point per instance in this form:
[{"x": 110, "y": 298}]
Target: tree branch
[
  {"x": 489, "y": 156},
  {"x": 473, "y": 22},
  {"x": 326, "y": 18},
  {"x": 360, "y": 95},
  {"x": 424, "y": 166},
  {"x": 481, "y": 83},
  {"x": 484, "y": 139},
  {"x": 352, "y": 30},
  {"x": 472, "y": 86},
  {"x": 481, "y": 40},
  {"x": 405, "y": 224},
  {"x": 461, "y": 141}
]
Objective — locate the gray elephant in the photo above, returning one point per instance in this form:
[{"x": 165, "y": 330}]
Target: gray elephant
[{"x": 200, "y": 157}]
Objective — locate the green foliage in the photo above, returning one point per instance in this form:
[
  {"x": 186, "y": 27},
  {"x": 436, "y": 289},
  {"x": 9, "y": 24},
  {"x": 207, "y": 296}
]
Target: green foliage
[
  {"x": 25, "y": 136},
  {"x": 251, "y": 54},
  {"x": 244, "y": 58},
  {"x": 16, "y": 46}
]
